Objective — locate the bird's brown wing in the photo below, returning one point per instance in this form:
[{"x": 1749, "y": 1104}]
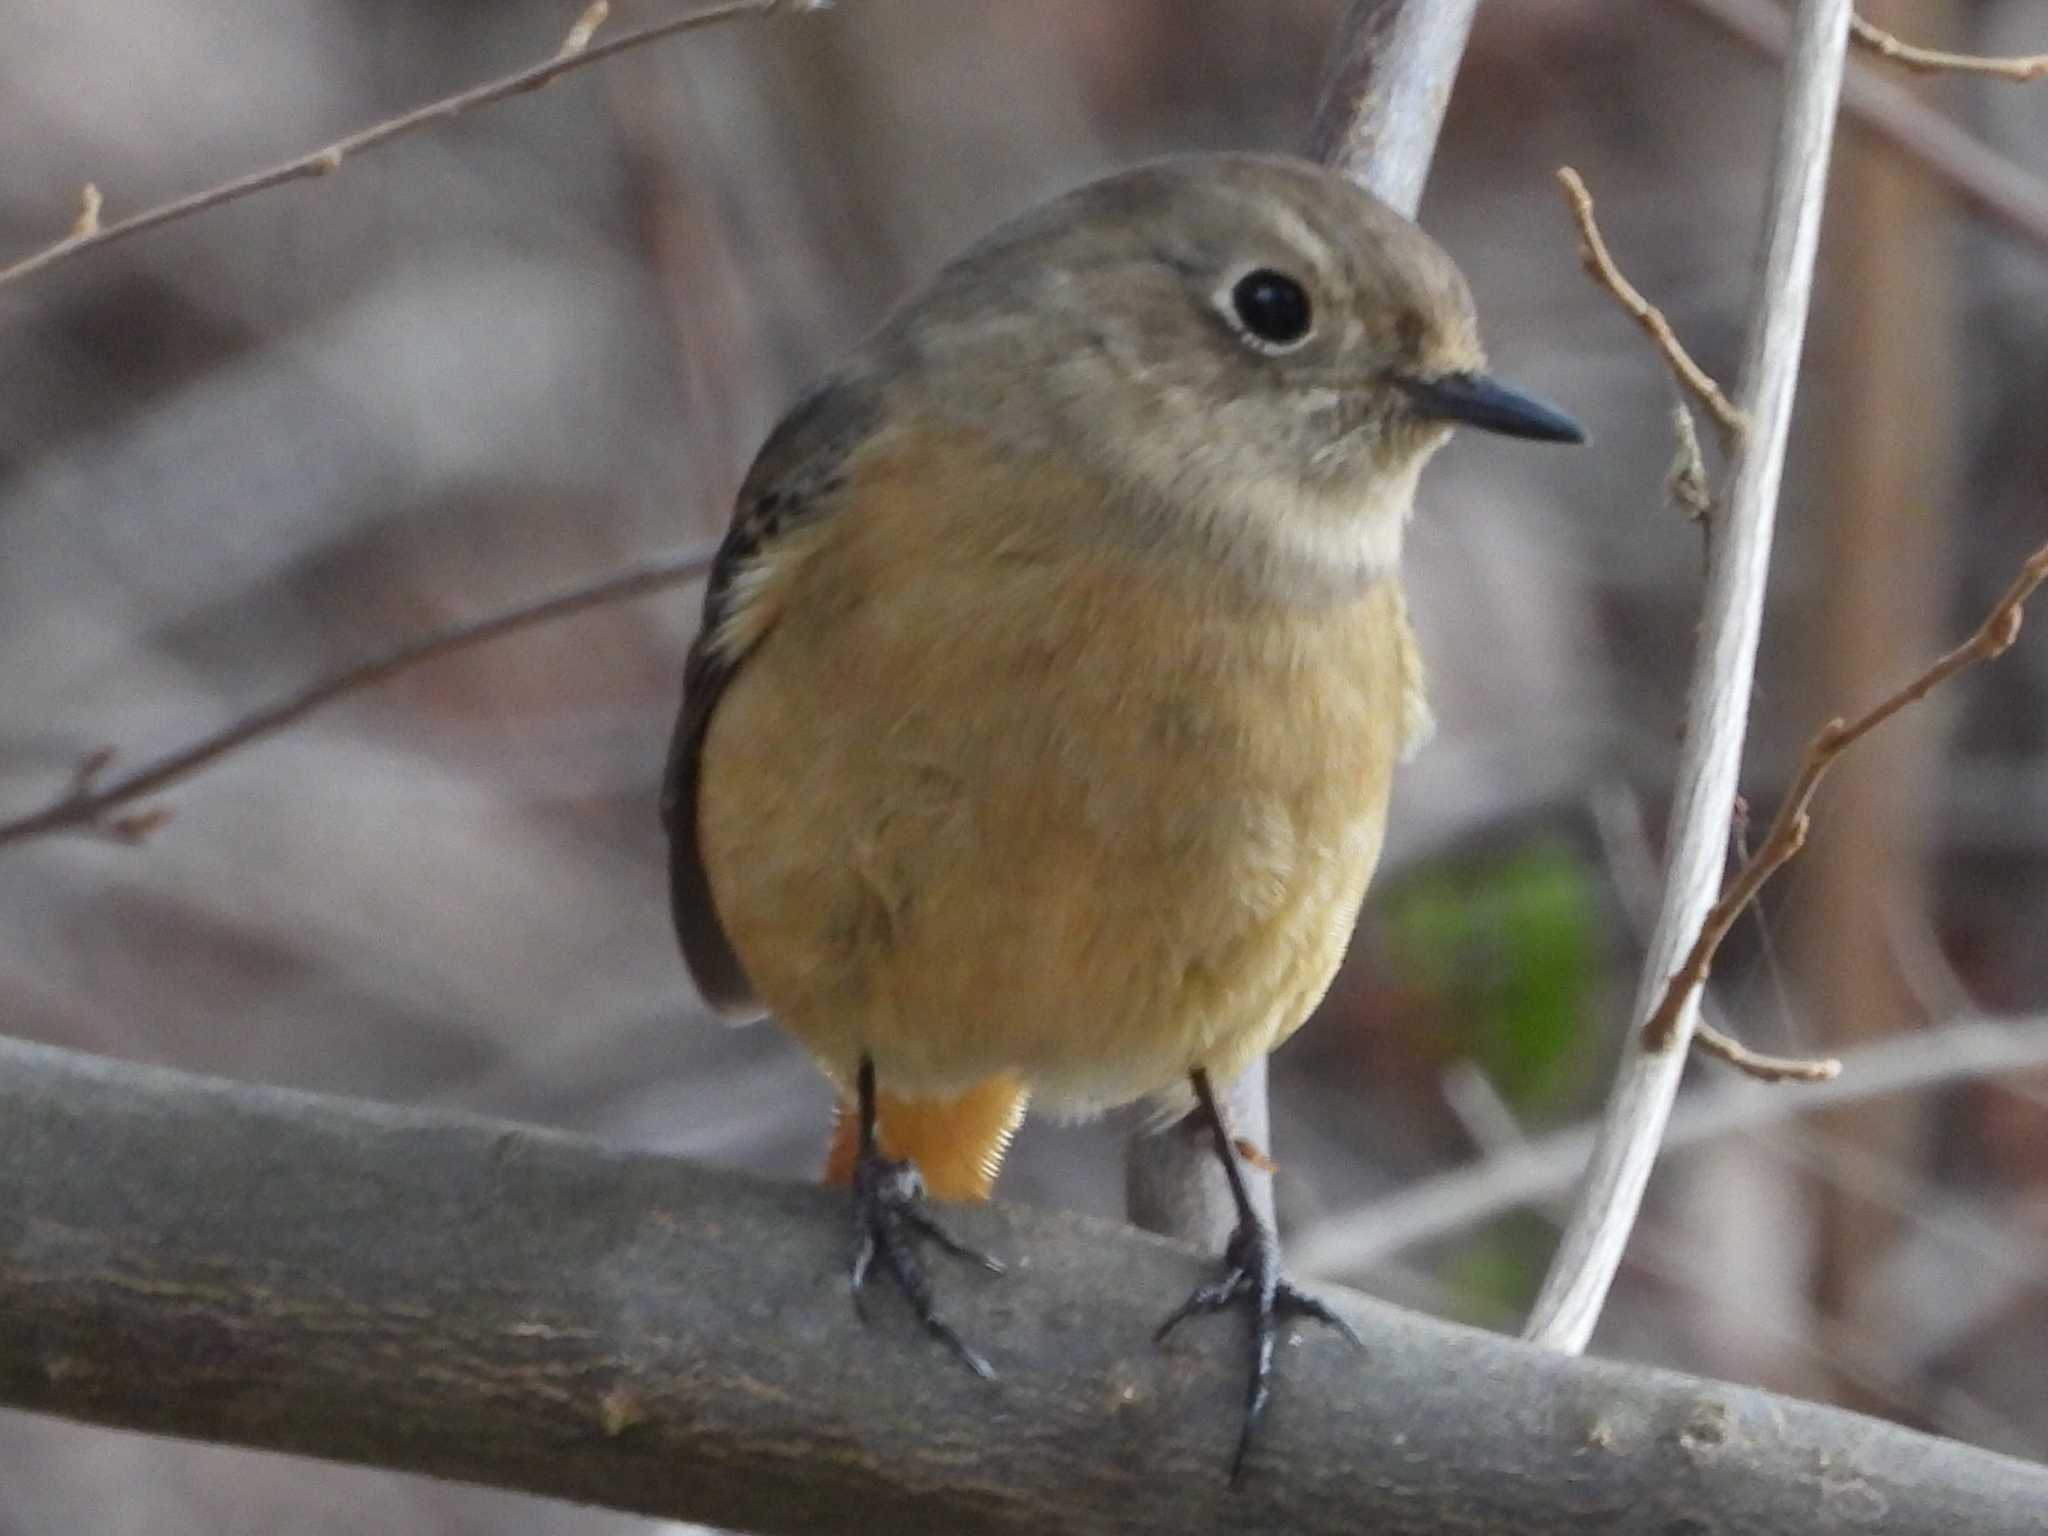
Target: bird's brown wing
[{"x": 795, "y": 480}]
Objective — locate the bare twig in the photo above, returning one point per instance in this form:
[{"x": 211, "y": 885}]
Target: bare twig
[
  {"x": 87, "y": 802},
  {"x": 1620, "y": 820},
  {"x": 1738, "y": 559},
  {"x": 1990, "y": 184},
  {"x": 1460, "y": 1200},
  {"x": 1685, "y": 482},
  {"x": 240, "y": 1264},
  {"x": 1714, "y": 1041},
  {"x": 578, "y": 41},
  {"x": 1787, "y": 832},
  {"x": 85, "y": 230},
  {"x": 1956, "y": 1044},
  {"x": 90, "y": 235},
  {"x": 1600, "y": 264},
  {"x": 1934, "y": 61}
]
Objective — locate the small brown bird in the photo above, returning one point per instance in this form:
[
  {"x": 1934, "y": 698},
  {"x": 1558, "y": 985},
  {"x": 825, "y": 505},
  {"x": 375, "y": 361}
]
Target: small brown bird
[{"x": 1037, "y": 742}]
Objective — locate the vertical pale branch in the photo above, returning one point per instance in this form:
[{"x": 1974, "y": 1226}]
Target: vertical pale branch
[
  {"x": 1382, "y": 104},
  {"x": 1718, "y": 704},
  {"x": 1385, "y": 90}
]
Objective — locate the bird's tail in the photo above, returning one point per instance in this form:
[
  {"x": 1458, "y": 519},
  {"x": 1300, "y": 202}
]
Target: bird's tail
[{"x": 957, "y": 1144}]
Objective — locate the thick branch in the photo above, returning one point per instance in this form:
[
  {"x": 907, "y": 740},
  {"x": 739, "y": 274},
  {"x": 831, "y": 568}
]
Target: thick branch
[
  {"x": 1717, "y": 707},
  {"x": 576, "y": 52},
  {"x": 504, "y": 1305}
]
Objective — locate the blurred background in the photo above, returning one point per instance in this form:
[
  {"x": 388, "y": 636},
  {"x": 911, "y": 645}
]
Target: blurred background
[{"x": 533, "y": 344}]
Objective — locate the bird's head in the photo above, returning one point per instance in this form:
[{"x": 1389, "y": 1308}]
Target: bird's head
[{"x": 1253, "y": 348}]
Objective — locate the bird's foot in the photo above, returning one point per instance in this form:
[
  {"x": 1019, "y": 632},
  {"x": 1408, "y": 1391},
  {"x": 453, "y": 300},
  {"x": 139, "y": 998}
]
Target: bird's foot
[
  {"x": 1252, "y": 1280},
  {"x": 889, "y": 1222}
]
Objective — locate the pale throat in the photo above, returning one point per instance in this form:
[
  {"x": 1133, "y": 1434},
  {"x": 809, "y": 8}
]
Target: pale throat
[{"x": 1311, "y": 539}]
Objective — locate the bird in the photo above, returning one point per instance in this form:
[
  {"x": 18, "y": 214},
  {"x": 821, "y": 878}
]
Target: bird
[{"x": 1036, "y": 744}]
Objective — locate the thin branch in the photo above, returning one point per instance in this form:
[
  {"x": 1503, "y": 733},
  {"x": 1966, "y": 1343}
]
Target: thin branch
[
  {"x": 1990, "y": 184},
  {"x": 324, "y": 162},
  {"x": 1787, "y": 832},
  {"x": 1686, "y": 482},
  {"x": 1462, "y": 1200},
  {"x": 1620, "y": 821},
  {"x": 1934, "y": 61},
  {"x": 1711, "y": 1040},
  {"x": 1601, "y": 267},
  {"x": 191, "y": 1257},
  {"x": 85, "y": 230},
  {"x": 87, "y": 224},
  {"x": 86, "y": 804},
  {"x": 1965, "y": 1046},
  {"x": 595, "y": 15},
  {"x": 1724, "y": 664}
]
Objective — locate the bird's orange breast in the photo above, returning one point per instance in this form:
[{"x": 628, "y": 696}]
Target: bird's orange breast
[{"x": 999, "y": 790}]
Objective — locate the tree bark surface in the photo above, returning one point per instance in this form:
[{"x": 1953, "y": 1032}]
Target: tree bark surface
[{"x": 506, "y": 1305}]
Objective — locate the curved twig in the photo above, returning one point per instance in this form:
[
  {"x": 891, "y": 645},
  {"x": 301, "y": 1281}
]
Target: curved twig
[
  {"x": 1978, "y": 177},
  {"x": 1787, "y": 832},
  {"x": 1601, "y": 265},
  {"x": 576, "y": 52},
  {"x": 1937, "y": 61}
]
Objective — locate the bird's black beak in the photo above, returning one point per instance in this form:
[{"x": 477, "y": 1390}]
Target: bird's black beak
[{"x": 1477, "y": 401}]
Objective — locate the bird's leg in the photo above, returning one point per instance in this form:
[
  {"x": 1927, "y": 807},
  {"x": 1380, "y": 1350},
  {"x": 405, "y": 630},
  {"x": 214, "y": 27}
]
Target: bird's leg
[
  {"x": 889, "y": 1220},
  {"x": 1251, "y": 1279}
]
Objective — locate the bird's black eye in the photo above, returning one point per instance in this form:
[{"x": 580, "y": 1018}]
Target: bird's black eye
[{"x": 1272, "y": 307}]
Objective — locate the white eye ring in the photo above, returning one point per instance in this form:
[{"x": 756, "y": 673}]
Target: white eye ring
[{"x": 1270, "y": 311}]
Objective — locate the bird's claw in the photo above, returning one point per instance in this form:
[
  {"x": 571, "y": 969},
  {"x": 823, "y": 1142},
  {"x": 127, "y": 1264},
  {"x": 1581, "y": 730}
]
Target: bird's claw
[
  {"x": 889, "y": 1222},
  {"x": 1253, "y": 1280}
]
